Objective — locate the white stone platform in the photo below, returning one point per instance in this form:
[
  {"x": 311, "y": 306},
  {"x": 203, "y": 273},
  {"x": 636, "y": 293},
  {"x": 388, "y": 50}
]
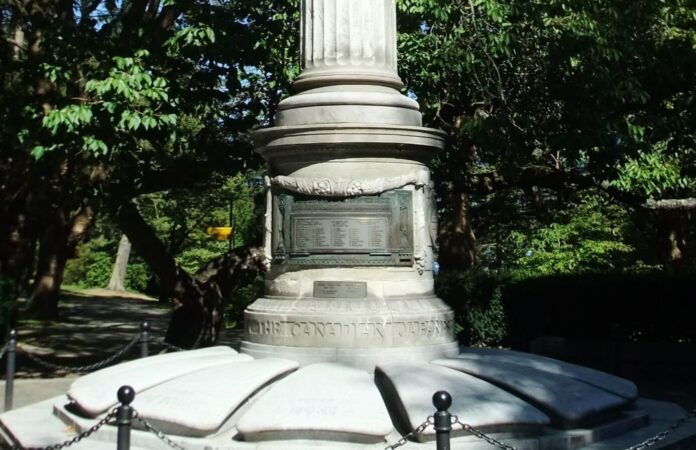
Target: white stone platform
[{"x": 244, "y": 403}]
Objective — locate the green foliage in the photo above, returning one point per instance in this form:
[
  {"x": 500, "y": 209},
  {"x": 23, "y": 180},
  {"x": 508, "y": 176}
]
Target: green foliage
[
  {"x": 590, "y": 237},
  {"x": 104, "y": 102},
  {"x": 237, "y": 304},
  {"x": 476, "y": 298},
  {"x": 181, "y": 217},
  {"x": 656, "y": 174},
  {"x": 93, "y": 263},
  {"x": 582, "y": 95},
  {"x": 137, "y": 275}
]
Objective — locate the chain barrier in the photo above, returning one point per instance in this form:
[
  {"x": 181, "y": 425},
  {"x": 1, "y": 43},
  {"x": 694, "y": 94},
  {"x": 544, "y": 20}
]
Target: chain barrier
[
  {"x": 86, "y": 368},
  {"x": 73, "y": 441},
  {"x": 160, "y": 435},
  {"x": 168, "y": 345},
  {"x": 663, "y": 434},
  {"x": 496, "y": 443},
  {"x": 419, "y": 429},
  {"x": 480, "y": 434}
]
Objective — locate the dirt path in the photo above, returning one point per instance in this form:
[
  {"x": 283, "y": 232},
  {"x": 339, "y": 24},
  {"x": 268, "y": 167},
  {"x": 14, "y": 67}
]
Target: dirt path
[{"x": 93, "y": 325}]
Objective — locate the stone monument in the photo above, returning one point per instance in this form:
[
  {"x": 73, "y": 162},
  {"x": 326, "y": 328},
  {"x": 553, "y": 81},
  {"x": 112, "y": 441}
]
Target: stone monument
[
  {"x": 350, "y": 224},
  {"x": 349, "y": 343}
]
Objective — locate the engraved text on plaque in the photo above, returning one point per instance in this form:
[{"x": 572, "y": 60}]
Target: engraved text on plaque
[{"x": 340, "y": 289}]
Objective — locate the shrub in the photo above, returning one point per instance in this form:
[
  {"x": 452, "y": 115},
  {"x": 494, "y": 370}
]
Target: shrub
[{"x": 476, "y": 297}]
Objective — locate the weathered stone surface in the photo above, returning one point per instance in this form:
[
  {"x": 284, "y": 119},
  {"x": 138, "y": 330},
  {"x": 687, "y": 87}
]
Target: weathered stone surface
[
  {"x": 35, "y": 425},
  {"x": 608, "y": 382},
  {"x": 409, "y": 388},
  {"x": 349, "y": 135},
  {"x": 349, "y": 37},
  {"x": 363, "y": 358},
  {"x": 96, "y": 392},
  {"x": 198, "y": 403},
  {"x": 567, "y": 401},
  {"x": 321, "y": 401},
  {"x": 386, "y": 326}
]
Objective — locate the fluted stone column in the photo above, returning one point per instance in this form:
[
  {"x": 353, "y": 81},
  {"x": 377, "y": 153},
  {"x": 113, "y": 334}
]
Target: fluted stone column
[
  {"x": 350, "y": 223},
  {"x": 344, "y": 41},
  {"x": 348, "y": 67}
]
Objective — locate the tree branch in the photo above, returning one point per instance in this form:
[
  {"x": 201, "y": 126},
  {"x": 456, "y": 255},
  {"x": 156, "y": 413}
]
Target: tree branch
[
  {"x": 673, "y": 204},
  {"x": 551, "y": 178}
]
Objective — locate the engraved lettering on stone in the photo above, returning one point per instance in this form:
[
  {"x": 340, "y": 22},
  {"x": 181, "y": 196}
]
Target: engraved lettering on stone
[{"x": 370, "y": 330}]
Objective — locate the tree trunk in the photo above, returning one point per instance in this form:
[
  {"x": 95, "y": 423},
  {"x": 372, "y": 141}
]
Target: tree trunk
[
  {"x": 43, "y": 301},
  {"x": 117, "y": 281},
  {"x": 199, "y": 299},
  {"x": 189, "y": 317},
  {"x": 674, "y": 244},
  {"x": 17, "y": 249},
  {"x": 457, "y": 239},
  {"x": 57, "y": 243}
]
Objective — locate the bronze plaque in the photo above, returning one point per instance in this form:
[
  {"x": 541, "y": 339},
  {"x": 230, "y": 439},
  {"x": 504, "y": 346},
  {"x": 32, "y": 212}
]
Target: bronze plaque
[
  {"x": 348, "y": 233},
  {"x": 362, "y": 231},
  {"x": 340, "y": 289}
]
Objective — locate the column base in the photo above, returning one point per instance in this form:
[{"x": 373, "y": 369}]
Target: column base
[{"x": 364, "y": 358}]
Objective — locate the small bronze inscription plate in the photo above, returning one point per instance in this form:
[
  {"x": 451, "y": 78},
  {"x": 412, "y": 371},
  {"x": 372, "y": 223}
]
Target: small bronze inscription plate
[{"x": 340, "y": 289}]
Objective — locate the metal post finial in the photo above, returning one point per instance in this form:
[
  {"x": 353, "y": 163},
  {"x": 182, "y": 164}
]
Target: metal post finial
[
  {"x": 124, "y": 415},
  {"x": 442, "y": 400}
]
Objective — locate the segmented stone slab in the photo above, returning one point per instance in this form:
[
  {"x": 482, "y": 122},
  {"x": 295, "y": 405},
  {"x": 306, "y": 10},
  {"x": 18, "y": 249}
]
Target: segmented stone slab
[
  {"x": 409, "y": 388},
  {"x": 611, "y": 383},
  {"x": 197, "y": 404},
  {"x": 320, "y": 401},
  {"x": 567, "y": 401},
  {"x": 95, "y": 393}
]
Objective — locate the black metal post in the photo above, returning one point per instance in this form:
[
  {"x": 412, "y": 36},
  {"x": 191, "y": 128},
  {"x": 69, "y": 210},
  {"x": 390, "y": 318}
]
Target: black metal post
[
  {"x": 443, "y": 419},
  {"x": 10, "y": 369},
  {"x": 144, "y": 339},
  {"x": 124, "y": 415}
]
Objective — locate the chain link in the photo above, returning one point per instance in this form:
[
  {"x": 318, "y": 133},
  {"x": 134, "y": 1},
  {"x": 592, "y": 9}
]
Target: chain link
[
  {"x": 160, "y": 435},
  {"x": 419, "y": 429},
  {"x": 663, "y": 434},
  {"x": 480, "y": 434},
  {"x": 74, "y": 440},
  {"x": 87, "y": 368},
  {"x": 169, "y": 346}
]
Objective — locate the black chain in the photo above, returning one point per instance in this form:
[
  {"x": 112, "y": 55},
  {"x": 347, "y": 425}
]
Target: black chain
[
  {"x": 72, "y": 441},
  {"x": 419, "y": 429},
  {"x": 663, "y": 434},
  {"x": 169, "y": 346},
  {"x": 87, "y": 368},
  {"x": 481, "y": 435},
  {"x": 160, "y": 435}
]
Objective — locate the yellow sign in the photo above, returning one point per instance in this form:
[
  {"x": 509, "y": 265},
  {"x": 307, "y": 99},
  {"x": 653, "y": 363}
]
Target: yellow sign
[{"x": 220, "y": 233}]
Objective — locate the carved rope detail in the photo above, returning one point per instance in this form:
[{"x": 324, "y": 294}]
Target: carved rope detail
[{"x": 346, "y": 187}]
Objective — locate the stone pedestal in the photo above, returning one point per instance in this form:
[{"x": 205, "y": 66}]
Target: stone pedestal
[{"x": 350, "y": 223}]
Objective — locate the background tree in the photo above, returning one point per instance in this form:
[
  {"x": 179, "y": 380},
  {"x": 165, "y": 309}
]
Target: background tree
[
  {"x": 571, "y": 141},
  {"x": 546, "y": 100},
  {"x": 104, "y": 102}
]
